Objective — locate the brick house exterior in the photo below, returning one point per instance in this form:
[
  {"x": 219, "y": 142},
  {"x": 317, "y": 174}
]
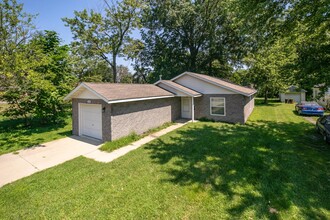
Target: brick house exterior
[{"x": 109, "y": 111}]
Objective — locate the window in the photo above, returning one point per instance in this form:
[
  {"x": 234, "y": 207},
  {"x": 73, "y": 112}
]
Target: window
[{"x": 217, "y": 106}]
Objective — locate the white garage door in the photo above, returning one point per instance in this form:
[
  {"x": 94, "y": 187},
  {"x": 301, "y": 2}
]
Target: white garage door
[
  {"x": 90, "y": 120},
  {"x": 295, "y": 97}
]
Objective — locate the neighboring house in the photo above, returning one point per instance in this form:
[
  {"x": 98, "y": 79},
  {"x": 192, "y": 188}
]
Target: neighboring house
[
  {"x": 109, "y": 111},
  {"x": 293, "y": 93},
  {"x": 324, "y": 99}
]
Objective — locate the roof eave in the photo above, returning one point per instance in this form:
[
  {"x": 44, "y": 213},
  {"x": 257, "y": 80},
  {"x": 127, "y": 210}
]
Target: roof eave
[
  {"x": 214, "y": 83},
  {"x": 185, "y": 92},
  {"x": 69, "y": 96},
  {"x": 138, "y": 99},
  {"x": 179, "y": 76},
  {"x": 226, "y": 87}
]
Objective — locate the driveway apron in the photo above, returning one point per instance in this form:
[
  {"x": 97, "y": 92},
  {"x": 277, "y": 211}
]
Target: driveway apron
[{"x": 25, "y": 162}]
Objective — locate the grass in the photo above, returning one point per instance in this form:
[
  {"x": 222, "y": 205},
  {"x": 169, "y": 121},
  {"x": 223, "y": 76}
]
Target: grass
[
  {"x": 121, "y": 142},
  {"x": 113, "y": 145},
  {"x": 274, "y": 167},
  {"x": 15, "y": 136}
]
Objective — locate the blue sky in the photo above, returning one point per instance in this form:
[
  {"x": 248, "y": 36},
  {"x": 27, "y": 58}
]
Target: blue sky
[{"x": 50, "y": 13}]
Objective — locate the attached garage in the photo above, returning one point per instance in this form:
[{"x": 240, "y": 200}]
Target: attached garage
[{"x": 108, "y": 111}]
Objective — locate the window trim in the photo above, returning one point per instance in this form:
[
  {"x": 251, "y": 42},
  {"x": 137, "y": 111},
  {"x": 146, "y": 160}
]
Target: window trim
[{"x": 224, "y": 106}]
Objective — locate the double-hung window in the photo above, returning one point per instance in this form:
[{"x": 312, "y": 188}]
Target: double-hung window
[{"x": 218, "y": 106}]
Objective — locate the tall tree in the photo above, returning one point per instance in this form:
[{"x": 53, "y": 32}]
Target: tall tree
[
  {"x": 38, "y": 87},
  {"x": 270, "y": 69},
  {"x": 32, "y": 66},
  {"x": 189, "y": 35},
  {"x": 17, "y": 58},
  {"x": 106, "y": 34},
  {"x": 16, "y": 28},
  {"x": 124, "y": 74},
  {"x": 310, "y": 20},
  {"x": 53, "y": 79},
  {"x": 88, "y": 67},
  {"x": 305, "y": 22}
]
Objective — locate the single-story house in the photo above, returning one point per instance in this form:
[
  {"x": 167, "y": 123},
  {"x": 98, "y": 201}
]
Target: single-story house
[
  {"x": 293, "y": 93},
  {"x": 323, "y": 99},
  {"x": 108, "y": 111}
]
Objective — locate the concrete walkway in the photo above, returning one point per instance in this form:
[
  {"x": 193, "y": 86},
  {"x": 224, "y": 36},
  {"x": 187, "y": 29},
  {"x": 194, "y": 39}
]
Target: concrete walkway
[
  {"x": 14, "y": 166},
  {"x": 32, "y": 160},
  {"x": 105, "y": 157}
]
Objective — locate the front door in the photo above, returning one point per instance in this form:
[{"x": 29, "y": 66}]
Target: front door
[{"x": 186, "y": 107}]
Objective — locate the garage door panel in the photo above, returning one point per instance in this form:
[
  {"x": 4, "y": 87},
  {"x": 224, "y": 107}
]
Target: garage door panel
[
  {"x": 295, "y": 97},
  {"x": 91, "y": 120}
]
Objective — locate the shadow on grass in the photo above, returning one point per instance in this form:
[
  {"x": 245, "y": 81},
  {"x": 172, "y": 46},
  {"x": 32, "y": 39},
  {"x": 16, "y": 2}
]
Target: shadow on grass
[
  {"x": 272, "y": 102},
  {"x": 267, "y": 165},
  {"x": 16, "y": 135}
]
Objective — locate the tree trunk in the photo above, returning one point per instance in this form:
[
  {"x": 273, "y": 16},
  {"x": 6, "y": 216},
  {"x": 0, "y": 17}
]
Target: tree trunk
[
  {"x": 114, "y": 69},
  {"x": 193, "y": 58},
  {"x": 266, "y": 96}
]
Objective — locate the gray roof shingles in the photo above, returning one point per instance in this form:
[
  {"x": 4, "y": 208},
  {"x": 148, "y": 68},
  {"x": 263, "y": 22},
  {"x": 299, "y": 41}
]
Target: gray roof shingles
[
  {"x": 118, "y": 91},
  {"x": 180, "y": 87}
]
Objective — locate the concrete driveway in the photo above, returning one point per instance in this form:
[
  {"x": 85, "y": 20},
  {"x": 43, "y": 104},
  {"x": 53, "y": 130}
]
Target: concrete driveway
[{"x": 32, "y": 160}]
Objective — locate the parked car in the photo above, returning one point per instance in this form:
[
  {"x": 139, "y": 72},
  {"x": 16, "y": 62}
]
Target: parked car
[
  {"x": 309, "y": 108},
  {"x": 323, "y": 126}
]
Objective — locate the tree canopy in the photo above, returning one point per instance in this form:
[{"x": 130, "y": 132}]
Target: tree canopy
[
  {"x": 189, "y": 36},
  {"x": 265, "y": 44},
  {"x": 107, "y": 33},
  {"x": 34, "y": 70}
]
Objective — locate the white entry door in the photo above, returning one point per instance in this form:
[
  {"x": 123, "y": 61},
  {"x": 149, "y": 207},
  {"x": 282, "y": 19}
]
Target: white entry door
[
  {"x": 186, "y": 107},
  {"x": 90, "y": 120}
]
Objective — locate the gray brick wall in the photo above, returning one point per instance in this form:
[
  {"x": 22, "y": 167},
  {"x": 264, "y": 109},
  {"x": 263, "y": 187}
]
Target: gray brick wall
[
  {"x": 106, "y": 117},
  {"x": 121, "y": 119},
  {"x": 248, "y": 108},
  {"x": 141, "y": 116},
  {"x": 234, "y": 108}
]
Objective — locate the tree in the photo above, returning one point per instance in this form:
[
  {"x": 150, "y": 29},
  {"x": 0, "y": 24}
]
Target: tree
[
  {"x": 305, "y": 22},
  {"x": 53, "y": 80},
  {"x": 33, "y": 67},
  {"x": 17, "y": 58},
  {"x": 311, "y": 22},
  {"x": 270, "y": 68},
  {"x": 38, "y": 92},
  {"x": 106, "y": 35},
  {"x": 188, "y": 36},
  {"x": 124, "y": 75},
  {"x": 88, "y": 67},
  {"x": 15, "y": 30}
]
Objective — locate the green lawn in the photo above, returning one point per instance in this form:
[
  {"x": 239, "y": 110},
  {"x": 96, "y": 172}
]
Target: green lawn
[
  {"x": 121, "y": 142},
  {"x": 201, "y": 171},
  {"x": 15, "y": 136}
]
